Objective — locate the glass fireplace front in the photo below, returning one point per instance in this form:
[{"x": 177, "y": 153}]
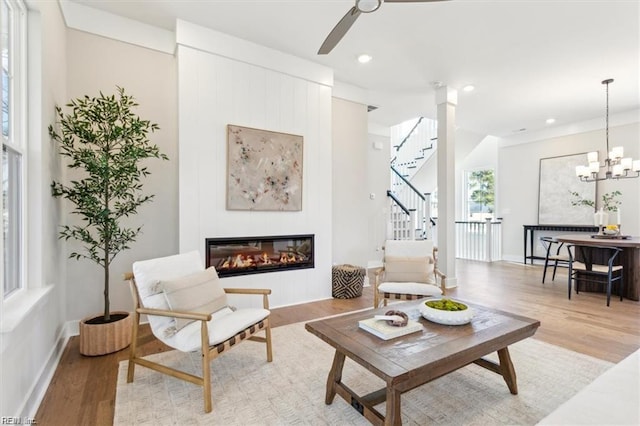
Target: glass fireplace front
[{"x": 255, "y": 255}]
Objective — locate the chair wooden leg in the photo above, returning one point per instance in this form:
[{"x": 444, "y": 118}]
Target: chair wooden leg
[
  {"x": 569, "y": 282},
  {"x": 609, "y": 276},
  {"x": 133, "y": 347},
  {"x": 621, "y": 286},
  {"x": 206, "y": 368},
  {"x": 267, "y": 333}
]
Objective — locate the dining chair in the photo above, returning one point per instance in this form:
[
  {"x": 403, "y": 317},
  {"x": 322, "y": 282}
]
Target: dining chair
[
  {"x": 188, "y": 311},
  {"x": 553, "y": 256},
  {"x": 585, "y": 266}
]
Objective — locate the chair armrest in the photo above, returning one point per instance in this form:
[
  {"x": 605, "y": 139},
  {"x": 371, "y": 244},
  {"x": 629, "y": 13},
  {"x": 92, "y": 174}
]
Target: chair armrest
[
  {"x": 247, "y": 290},
  {"x": 265, "y": 292},
  {"x": 377, "y": 274},
  {"x": 175, "y": 314},
  {"x": 443, "y": 280},
  {"x": 378, "y": 271}
]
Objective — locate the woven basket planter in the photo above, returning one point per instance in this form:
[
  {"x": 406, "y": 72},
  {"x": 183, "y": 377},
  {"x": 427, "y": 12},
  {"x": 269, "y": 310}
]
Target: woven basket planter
[{"x": 102, "y": 339}]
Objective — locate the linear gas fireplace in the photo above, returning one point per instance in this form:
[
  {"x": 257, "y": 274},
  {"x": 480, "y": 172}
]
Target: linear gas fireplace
[{"x": 255, "y": 255}]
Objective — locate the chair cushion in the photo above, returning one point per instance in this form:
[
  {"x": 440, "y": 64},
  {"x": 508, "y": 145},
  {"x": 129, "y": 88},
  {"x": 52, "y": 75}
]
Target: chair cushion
[
  {"x": 224, "y": 324},
  {"x": 409, "y": 269},
  {"x": 410, "y": 288},
  {"x": 149, "y": 273},
  {"x": 600, "y": 269},
  {"x": 200, "y": 292}
]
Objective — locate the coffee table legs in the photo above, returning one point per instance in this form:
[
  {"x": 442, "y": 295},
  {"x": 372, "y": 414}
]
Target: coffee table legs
[
  {"x": 335, "y": 376},
  {"x": 507, "y": 370},
  {"x": 393, "y": 407},
  {"x": 392, "y": 416}
]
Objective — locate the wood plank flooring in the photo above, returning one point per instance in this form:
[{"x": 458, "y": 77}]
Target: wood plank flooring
[{"x": 82, "y": 391}]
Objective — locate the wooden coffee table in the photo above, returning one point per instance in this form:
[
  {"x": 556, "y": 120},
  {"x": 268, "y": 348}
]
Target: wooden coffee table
[{"x": 407, "y": 362}]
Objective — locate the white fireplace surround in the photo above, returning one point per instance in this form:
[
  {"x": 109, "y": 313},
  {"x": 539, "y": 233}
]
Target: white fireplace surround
[{"x": 223, "y": 80}]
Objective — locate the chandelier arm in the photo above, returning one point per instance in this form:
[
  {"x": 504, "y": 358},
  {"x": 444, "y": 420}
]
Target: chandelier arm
[{"x": 616, "y": 167}]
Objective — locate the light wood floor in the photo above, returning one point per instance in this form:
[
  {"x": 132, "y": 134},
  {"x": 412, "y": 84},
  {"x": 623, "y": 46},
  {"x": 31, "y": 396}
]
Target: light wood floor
[{"x": 82, "y": 391}]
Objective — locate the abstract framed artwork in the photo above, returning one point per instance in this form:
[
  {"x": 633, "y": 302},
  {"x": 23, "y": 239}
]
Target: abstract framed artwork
[
  {"x": 557, "y": 181},
  {"x": 264, "y": 170}
]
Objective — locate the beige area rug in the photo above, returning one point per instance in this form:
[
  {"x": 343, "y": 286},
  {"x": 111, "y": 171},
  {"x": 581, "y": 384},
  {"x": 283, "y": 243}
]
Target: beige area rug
[{"x": 290, "y": 391}]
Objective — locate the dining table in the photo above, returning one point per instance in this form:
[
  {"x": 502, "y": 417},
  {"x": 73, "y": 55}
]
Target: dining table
[{"x": 629, "y": 257}]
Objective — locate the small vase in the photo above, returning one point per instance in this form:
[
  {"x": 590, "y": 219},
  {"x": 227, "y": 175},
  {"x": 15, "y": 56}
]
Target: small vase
[{"x": 600, "y": 218}]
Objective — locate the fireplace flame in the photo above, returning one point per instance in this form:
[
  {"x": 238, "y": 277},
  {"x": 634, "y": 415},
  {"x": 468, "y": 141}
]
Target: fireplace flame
[{"x": 241, "y": 260}]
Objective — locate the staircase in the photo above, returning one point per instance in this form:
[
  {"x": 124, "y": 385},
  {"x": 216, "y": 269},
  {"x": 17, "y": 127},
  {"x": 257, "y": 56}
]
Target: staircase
[{"x": 410, "y": 209}]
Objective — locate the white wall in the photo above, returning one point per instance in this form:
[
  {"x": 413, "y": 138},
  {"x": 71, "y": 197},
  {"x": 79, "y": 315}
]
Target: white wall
[
  {"x": 350, "y": 195},
  {"x": 99, "y": 64},
  {"x": 378, "y": 180},
  {"x": 518, "y": 173},
  {"x": 255, "y": 87},
  {"x": 29, "y": 351}
]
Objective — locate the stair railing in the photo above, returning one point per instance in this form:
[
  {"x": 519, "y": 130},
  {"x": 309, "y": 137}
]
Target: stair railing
[
  {"x": 402, "y": 221},
  {"x": 408, "y": 196}
]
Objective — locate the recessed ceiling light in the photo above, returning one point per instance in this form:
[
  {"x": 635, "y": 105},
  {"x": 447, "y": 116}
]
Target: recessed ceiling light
[
  {"x": 469, "y": 88},
  {"x": 550, "y": 120},
  {"x": 364, "y": 58}
]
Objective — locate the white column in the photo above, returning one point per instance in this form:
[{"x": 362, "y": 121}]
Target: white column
[{"x": 446, "y": 100}]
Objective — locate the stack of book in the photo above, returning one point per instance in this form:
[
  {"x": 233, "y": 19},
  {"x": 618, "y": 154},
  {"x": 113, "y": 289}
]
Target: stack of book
[{"x": 386, "y": 331}]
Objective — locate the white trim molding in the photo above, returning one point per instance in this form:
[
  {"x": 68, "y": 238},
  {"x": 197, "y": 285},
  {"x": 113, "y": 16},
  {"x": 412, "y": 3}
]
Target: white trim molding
[
  {"x": 94, "y": 21},
  {"x": 217, "y": 43}
]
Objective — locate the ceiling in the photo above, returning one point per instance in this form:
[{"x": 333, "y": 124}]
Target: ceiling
[{"x": 529, "y": 60}]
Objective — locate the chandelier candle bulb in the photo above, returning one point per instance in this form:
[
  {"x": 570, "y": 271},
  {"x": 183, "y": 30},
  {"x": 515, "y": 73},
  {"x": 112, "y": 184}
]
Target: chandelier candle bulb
[
  {"x": 618, "y": 152},
  {"x": 617, "y": 170},
  {"x": 626, "y": 163},
  {"x": 594, "y": 167},
  {"x": 636, "y": 166}
]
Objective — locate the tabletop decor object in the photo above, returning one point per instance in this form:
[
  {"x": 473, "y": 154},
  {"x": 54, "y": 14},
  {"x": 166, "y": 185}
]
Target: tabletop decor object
[
  {"x": 446, "y": 311},
  {"x": 391, "y": 325}
]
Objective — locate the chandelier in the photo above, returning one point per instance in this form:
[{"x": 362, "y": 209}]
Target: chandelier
[{"x": 615, "y": 165}]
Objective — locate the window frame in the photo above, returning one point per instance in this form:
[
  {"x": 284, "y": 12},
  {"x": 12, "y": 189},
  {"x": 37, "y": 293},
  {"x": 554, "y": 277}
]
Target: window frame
[
  {"x": 16, "y": 143},
  {"x": 466, "y": 202}
]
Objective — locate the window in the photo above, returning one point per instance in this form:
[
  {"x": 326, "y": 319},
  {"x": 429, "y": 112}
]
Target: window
[
  {"x": 12, "y": 38},
  {"x": 480, "y": 194}
]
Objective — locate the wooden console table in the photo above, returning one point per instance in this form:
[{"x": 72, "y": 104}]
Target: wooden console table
[{"x": 529, "y": 231}]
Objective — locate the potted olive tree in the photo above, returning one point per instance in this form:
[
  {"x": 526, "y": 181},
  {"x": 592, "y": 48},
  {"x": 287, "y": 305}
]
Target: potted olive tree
[{"x": 105, "y": 143}]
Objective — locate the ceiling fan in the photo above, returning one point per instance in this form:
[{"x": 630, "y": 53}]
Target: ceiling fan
[{"x": 362, "y": 6}]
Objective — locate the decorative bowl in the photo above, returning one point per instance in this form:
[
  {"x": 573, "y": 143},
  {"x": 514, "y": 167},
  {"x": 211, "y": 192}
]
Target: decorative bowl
[{"x": 446, "y": 317}]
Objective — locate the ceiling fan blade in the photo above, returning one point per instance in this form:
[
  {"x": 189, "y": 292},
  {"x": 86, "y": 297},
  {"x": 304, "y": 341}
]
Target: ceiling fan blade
[{"x": 339, "y": 31}]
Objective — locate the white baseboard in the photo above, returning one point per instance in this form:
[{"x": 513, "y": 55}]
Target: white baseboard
[{"x": 47, "y": 371}]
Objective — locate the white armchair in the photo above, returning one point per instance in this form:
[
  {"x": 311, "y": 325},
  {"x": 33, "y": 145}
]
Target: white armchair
[
  {"x": 409, "y": 272},
  {"x": 187, "y": 310}
]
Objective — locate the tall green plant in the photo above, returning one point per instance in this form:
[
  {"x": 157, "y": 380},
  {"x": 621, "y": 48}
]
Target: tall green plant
[{"x": 106, "y": 142}]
